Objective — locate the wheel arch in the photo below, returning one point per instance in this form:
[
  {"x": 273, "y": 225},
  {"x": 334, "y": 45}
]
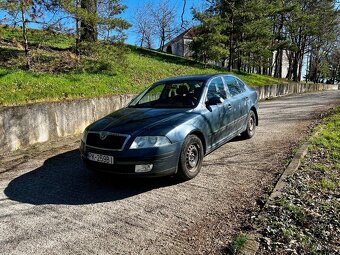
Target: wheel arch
[
  {"x": 256, "y": 116},
  {"x": 200, "y": 135}
]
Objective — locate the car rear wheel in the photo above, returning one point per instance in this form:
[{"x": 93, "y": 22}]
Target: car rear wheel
[
  {"x": 191, "y": 158},
  {"x": 251, "y": 126}
]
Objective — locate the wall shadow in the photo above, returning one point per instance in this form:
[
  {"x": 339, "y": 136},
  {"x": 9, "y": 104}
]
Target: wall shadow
[{"x": 63, "y": 179}]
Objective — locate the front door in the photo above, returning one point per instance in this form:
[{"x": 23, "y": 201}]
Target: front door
[
  {"x": 234, "y": 103},
  {"x": 215, "y": 113}
]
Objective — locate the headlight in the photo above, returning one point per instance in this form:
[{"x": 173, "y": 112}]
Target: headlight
[
  {"x": 149, "y": 142},
  {"x": 84, "y": 136}
]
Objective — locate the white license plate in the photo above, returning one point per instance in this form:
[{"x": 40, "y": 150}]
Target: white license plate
[{"x": 100, "y": 158}]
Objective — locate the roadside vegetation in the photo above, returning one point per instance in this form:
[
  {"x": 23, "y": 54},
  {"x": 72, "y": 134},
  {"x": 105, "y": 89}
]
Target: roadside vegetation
[
  {"x": 305, "y": 220},
  {"x": 57, "y": 73},
  {"x": 238, "y": 244}
]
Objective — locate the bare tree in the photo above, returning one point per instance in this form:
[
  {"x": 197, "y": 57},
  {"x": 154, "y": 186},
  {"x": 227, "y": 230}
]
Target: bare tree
[
  {"x": 183, "y": 21},
  {"x": 164, "y": 17},
  {"x": 24, "y": 12},
  {"x": 144, "y": 25}
]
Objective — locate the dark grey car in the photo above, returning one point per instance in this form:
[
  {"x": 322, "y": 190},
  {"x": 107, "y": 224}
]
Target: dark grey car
[{"x": 170, "y": 126}]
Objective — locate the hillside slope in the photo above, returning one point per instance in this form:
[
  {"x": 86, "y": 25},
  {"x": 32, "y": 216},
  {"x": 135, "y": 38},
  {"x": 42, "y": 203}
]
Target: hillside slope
[{"x": 59, "y": 74}]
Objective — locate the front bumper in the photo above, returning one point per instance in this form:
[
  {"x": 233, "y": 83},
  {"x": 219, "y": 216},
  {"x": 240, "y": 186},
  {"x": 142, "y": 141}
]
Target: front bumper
[{"x": 164, "y": 160}]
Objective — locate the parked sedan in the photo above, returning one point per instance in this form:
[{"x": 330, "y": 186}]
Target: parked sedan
[{"x": 171, "y": 126}]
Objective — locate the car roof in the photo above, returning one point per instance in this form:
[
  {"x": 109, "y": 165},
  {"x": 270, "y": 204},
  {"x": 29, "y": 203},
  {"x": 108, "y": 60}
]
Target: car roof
[{"x": 198, "y": 77}]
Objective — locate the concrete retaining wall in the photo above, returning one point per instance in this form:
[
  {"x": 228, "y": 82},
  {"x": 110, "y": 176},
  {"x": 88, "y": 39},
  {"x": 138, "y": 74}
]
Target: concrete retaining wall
[
  {"x": 271, "y": 91},
  {"x": 21, "y": 126}
]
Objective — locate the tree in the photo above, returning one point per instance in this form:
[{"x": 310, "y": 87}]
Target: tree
[
  {"x": 24, "y": 12},
  {"x": 252, "y": 31},
  {"x": 280, "y": 42},
  {"x": 88, "y": 23},
  {"x": 163, "y": 16},
  {"x": 209, "y": 42},
  {"x": 304, "y": 24},
  {"x": 334, "y": 65},
  {"x": 108, "y": 10},
  {"x": 144, "y": 25},
  {"x": 323, "y": 42},
  {"x": 89, "y": 14},
  {"x": 245, "y": 29}
]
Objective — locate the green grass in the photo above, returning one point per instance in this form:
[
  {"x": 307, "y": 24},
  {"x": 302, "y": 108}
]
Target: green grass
[
  {"x": 58, "y": 75},
  {"x": 329, "y": 136},
  {"x": 36, "y": 37},
  {"x": 238, "y": 243}
]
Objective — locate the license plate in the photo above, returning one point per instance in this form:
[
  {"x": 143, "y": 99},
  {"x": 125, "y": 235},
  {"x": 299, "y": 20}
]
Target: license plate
[{"x": 100, "y": 158}]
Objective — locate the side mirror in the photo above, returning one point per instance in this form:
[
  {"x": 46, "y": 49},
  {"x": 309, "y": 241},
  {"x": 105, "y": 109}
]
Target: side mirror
[{"x": 215, "y": 101}]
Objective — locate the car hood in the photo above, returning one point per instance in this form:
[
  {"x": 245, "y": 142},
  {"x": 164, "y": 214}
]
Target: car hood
[{"x": 135, "y": 120}]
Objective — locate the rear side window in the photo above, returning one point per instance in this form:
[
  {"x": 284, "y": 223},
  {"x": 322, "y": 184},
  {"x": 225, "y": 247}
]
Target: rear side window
[{"x": 233, "y": 85}]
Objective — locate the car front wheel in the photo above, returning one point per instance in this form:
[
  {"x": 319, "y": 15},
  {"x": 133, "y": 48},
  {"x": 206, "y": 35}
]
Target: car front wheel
[
  {"x": 251, "y": 126},
  {"x": 191, "y": 158}
]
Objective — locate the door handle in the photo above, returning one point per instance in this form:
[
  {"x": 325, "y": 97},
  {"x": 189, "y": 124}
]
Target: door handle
[
  {"x": 246, "y": 98},
  {"x": 229, "y": 106}
]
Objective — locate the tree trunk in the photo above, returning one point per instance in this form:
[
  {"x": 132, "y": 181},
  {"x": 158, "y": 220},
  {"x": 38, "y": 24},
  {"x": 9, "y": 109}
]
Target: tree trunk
[
  {"x": 108, "y": 34},
  {"x": 231, "y": 37},
  {"x": 162, "y": 40},
  {"x": 78, "y": 29},
  {"x": 239, "y": 62},
  {"x": 88, "y": 26},
  {"x": 24, "y": 34},
  {"x": 278, "y": 64},
  {"x": 295, "y": 67},
  {"x": 300, "y": 66},
  {"x": 290, "y": 65}
]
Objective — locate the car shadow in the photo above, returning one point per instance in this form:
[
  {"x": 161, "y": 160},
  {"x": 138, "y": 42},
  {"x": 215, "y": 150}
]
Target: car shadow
[{"x": 63, "y": 179}]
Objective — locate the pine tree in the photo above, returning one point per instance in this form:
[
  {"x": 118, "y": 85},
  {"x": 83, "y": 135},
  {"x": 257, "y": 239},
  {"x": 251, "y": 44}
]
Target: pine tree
[{"x": 209, "y": 43}]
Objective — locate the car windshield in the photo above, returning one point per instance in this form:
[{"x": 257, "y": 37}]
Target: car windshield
[{"x": 183, "y": 94}]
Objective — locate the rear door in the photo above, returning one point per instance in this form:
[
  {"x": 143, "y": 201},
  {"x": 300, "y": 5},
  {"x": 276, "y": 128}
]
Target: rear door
[{"x": 246, "y": 104}]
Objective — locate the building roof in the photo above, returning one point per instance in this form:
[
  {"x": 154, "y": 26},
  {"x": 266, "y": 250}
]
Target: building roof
[{"x": 187, "y": 34}]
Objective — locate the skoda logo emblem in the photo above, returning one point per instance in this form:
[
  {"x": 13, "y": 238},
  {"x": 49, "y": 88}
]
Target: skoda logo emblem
[{"x": 103, "y": 135}]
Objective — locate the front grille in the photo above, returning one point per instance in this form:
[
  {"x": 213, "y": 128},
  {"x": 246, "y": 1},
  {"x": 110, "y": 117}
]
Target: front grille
[{"x": 111, "y": 141}]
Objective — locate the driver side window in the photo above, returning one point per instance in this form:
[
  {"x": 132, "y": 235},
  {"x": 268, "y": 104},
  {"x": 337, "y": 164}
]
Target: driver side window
[
  {"x": 216, "y": 89},
  {"x": 233, "y": 86}
]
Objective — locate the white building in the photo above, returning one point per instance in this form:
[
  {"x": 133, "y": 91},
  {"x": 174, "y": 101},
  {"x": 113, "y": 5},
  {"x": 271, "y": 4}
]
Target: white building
[{"x": 180, "y": 45}]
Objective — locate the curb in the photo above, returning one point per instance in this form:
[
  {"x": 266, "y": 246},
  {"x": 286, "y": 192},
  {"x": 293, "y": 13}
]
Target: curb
[{"x": 252, "y": 244}]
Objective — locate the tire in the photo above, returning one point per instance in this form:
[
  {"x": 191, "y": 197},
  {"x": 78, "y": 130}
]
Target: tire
[
  {"x": 190, "y": 161},
  {"x": 251, "y": 126}
]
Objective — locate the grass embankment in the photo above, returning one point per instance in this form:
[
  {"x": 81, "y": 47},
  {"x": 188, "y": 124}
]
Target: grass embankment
[
  {"x": 306, "y": 219},
  {"x": 59, "y": 74}
]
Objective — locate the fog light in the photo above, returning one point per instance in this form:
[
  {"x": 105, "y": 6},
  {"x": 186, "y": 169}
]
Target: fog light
[{"x": 143, "y": 168}]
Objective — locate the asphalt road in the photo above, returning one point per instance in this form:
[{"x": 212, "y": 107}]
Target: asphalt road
[{"x": 49, "y": 204}]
